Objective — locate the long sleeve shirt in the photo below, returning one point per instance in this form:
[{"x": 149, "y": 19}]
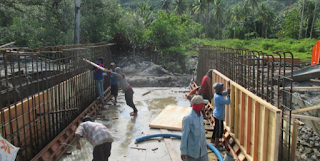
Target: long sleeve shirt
[
  {"x": 219, "y": 102},
  {"x": 193, "y": 139},
  {"x": 121, "y": 80}
]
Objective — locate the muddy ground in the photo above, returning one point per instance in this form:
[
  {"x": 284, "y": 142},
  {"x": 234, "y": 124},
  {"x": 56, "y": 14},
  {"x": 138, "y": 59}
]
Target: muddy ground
[{"x": 126, "y": 129}]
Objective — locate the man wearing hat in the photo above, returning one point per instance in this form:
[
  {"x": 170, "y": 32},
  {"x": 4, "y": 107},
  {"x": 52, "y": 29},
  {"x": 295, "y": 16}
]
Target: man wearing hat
[
  {"x": 218, "y": 112},
  {"x": 98, "y": 136},
  {"x": 193, "y": 140},
  {"x": 114, "y": 83},
  {"x": 98, "y": 77}
]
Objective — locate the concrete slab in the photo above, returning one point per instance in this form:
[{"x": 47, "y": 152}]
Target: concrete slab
[{"x": 126, "y": 128}]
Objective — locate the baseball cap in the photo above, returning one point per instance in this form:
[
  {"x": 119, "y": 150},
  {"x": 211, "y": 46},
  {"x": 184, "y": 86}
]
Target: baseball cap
[
  {"x": 198, "y": 99},
  {"x": 113, "y": 64},
  {"x": 218, "y": 87}
]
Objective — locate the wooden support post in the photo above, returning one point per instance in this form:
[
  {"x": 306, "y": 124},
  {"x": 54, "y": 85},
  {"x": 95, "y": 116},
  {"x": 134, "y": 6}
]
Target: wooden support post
[
  {"x": 276, "y": 142},
  {"x": 265, "y": 119},
  {"x": 294, "y": 141},
  {"x": 256, "y": 131},
  {"x": 232, "y": 108},
  {"x": 242, "y": 118},
  {"x": 248, "y": 136},
  {"x": 236, "y": 120}
]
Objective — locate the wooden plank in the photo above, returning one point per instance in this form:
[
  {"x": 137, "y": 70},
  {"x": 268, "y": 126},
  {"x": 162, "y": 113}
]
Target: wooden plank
[
  {"x": 236, "y": 120},
  {"x": 276, "y": 143},
  {"x": 232, "y": 103},
  {"x": 170, "y": 118},
  {"x": 256, "y": 131},
  {"x": 174, "y": 155},
  {"x": 10, "y": 43},
  {"x": 317, "y": 107},
  {"x": 264, "y": 138},
  {"x": 306, "y": 117},
  {"x": 248, "y": 136},
  {"x": 242, "y": 118},
  {"x": 294, "y": 141}
]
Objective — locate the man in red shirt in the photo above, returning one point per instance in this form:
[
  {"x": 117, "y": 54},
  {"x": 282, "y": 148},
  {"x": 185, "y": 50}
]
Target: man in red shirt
[{"x": 206, "y": 86}]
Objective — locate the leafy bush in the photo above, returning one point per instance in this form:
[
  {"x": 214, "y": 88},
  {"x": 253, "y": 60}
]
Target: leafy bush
[{"x": 266, "y": 46}]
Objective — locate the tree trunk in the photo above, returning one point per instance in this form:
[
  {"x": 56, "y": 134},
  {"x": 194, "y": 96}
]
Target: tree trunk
[
  {"x": 305, "y": 35},
  {"x": 218, "y": 29},
  {"x": 302, "y": 14},
  {"x": 314, "y": 17},
  {"x": 207, "y": 22},
  {"x": 266, "y": 35}
]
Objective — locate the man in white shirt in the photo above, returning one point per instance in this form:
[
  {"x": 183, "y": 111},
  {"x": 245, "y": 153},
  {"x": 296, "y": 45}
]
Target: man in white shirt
[{"x": 99, "y": 137}]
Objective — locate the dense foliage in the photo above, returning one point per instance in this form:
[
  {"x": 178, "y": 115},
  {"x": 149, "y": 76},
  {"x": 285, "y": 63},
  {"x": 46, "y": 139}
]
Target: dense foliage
[{"x": 164, "y": 29}]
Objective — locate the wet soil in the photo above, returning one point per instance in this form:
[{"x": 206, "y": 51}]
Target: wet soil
[{"x": 126, "y": 129}]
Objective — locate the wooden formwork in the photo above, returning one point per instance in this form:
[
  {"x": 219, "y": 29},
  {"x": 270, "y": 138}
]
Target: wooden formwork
[{"x": 253, "y": 122}]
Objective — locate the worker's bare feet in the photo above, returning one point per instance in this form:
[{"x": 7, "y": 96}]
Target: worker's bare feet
[{"x": 133, "y": 113}]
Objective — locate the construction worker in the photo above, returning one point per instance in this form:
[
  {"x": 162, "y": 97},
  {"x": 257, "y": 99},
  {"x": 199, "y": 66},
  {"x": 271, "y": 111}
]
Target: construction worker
[
  {"x": 114, "y": 83},
  {"x": 205, "y": 90},
  {"x": 126, "y": 88},
  {"x": 98, "y": 136},
  {"x": 98, "y": 77},
  {"x": 219, "y": 112},
  {"x": 193, "y": 140}
]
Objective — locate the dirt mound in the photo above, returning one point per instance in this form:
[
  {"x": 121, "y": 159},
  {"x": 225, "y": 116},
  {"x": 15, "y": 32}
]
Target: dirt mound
[{"x": 143, "y": 73}]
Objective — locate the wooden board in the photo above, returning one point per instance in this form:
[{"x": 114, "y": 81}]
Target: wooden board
[
  {"x": 170, "y": 118},
  {"x": 174, "y": 155}
]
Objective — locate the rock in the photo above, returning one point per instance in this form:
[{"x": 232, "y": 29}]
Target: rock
[{"x": 308, "y": 150}]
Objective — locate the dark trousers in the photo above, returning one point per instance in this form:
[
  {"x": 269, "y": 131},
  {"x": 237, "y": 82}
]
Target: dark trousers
[
  {"x": 102, "y": 152},
  {"x": 129, "y": 99},
  {"x": 218, "y": 129}
]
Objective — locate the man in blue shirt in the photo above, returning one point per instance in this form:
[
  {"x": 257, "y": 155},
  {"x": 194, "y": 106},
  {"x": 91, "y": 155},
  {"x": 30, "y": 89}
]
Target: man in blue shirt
[
  {"x": 193, "y": 140},
  {"x": 114, "y": 83},
  {"x": 218, "y": 112},
  {"x": 98, "y": 77}
]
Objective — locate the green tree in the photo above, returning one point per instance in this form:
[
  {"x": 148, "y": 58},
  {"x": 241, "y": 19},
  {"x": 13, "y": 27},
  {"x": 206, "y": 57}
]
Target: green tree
[
  {"x": 314, "y": 17},
  {"x": 179, "y": 6},
  {"x": 165, "y": 4},
  {"x": 301, "y": 22},
  {"x": 218, "y": 12}
]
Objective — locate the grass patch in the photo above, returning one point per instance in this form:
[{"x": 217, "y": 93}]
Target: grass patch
[{"x": 299, "y": 48}]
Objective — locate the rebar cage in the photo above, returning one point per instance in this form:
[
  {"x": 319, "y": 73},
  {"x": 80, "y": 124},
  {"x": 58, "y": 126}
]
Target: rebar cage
[
  {"x": 43, "y": 90},
  {"x": 259, "y": 73}
]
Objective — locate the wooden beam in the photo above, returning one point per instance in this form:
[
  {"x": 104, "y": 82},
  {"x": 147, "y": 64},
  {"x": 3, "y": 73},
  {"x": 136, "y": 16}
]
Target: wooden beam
[
  {"x": 248, "y": 147},
  {"x": 174, "y": 155},
  {"x": 236, "y": 120},
  {"x": 265, "y": 119},
  {"x": 232, "y": 103},
  {"x": 10, "y": 43},
  {"x": 242, "y": 118},
  {"x": 317, "y": 107},
  {"x": 294, "y": 141},
  {"x": 306, "y": 117},
  {"x": 256, "y": 131},
  {"x": 276, "y": 142}
]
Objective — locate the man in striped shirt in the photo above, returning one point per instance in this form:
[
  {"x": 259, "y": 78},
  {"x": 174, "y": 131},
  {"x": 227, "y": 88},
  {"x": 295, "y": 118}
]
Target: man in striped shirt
[{"x": 99, "y": 137}]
